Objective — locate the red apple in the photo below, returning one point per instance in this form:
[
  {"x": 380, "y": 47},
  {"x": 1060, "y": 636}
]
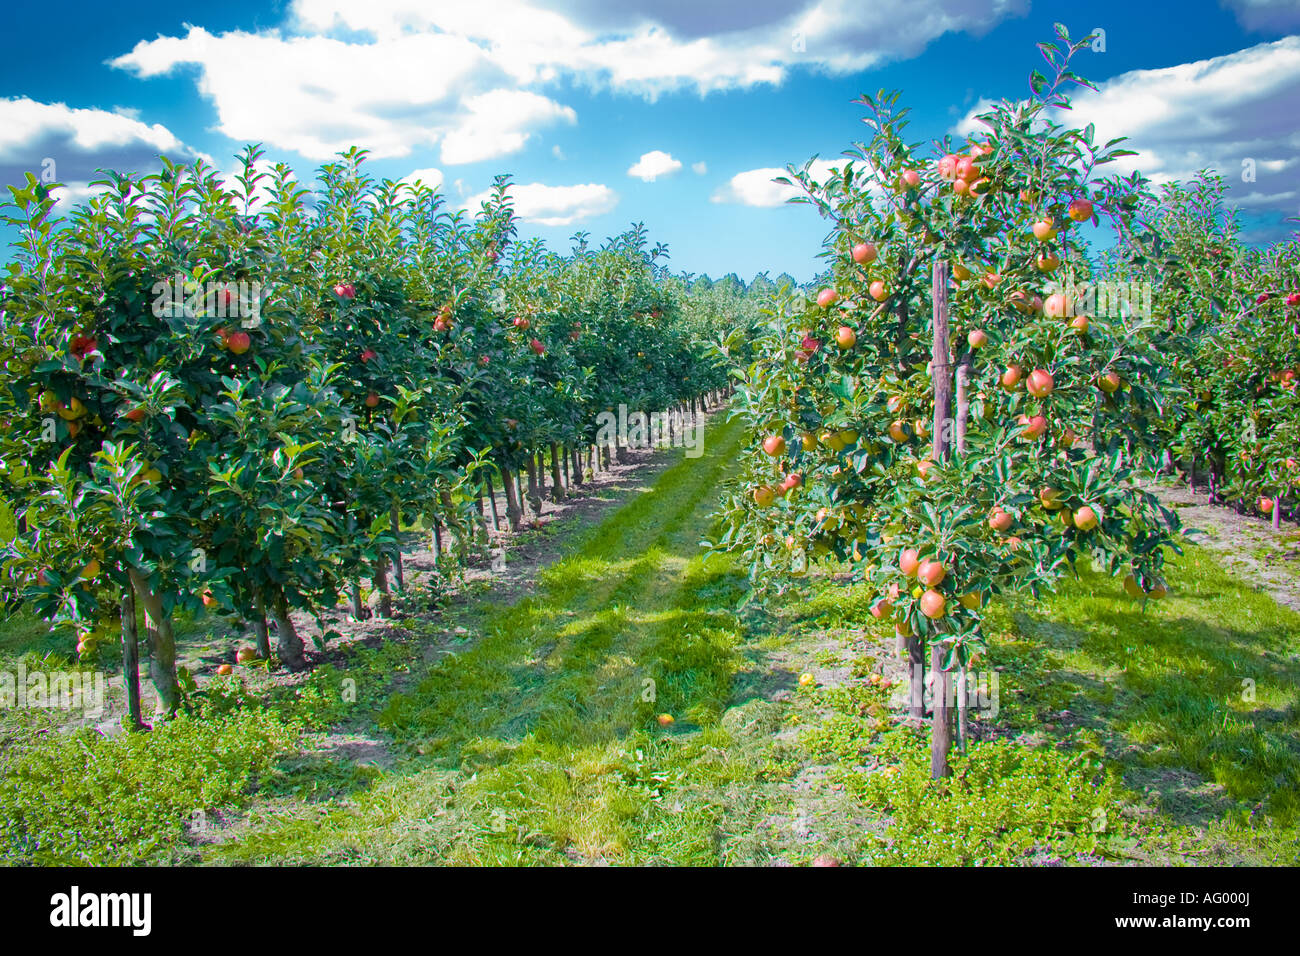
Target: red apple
[
  {"x": 909, "y": 561},
  {"x": 931, "y": 573},
  {"x": 1109, "y": 383},
  {"x": 933, "y": 604},
  {"x": 1040, "y": 383},
  {"x": 1034, "y": 428},
  {"x": 864, "y": 253},
  {"x": 999, "y": 520}
]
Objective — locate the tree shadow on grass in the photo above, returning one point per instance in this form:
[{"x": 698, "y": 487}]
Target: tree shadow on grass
[{"x": 1173, "y": 707}]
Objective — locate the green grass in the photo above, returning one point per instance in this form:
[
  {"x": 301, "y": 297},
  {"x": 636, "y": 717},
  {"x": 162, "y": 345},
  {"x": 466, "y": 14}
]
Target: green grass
[
  {"x": 1124, "y": 735},
  {"x": 75, "y": 798}
]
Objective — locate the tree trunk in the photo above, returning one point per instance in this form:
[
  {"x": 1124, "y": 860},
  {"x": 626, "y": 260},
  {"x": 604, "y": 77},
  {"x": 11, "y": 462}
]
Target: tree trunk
[
  {"x": 620, "y": 452},
  {"x": 1277, "y": 513},
  {"x": 540, "y": 459},
  {"x": 381, "y": 585},
  {"x": 358, "y": 609},
  {"x": 557, "y": 486},
  {"x": 941, "y": 732},
  {"x": 534, "y": 495},
  {"x": 566, "y": 458},
  {"x": 131, "y": 662},
  {"x": 604, "y": 458},
  {"x": 162, "y": 646},
  {"x": 910, "y": 644},
  {"x": 395, "y": 516},
  {"x": 259, "y": 627},
  {"x": 513, "y": 511},
  {"x": 289, "y": 645},
  {"x": 579, "y": 478}
]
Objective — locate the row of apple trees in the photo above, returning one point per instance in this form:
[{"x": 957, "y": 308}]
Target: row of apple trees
[
  {"x": 1229, "y": 319},
  {"x": 233, "y": 392}
]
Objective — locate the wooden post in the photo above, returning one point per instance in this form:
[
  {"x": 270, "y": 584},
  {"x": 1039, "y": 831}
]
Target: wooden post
[
  {"x": 380, "y": 581},
  {"x": 492, "y": 500},
  {"x": 963, "y": 402},
  {"x": 131, "y": 661},
  {"x": 941, "y": 367},
  {"x": 940, "y": 450}
]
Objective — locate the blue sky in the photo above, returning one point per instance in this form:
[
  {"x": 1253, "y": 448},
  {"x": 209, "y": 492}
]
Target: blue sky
[{"x": 582, "y": 101}]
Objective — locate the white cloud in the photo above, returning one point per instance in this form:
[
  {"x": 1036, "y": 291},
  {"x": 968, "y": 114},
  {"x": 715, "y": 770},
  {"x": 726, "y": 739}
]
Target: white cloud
[
  {"x": 429, "y": 177},
  {"x": 557, "y": 152},
  {"x": 71, "y": 145},
  {"x": 653, "y": 164},
  {"x": 1213, "y": 113},
  {"x": 555, "y": 205},
  {"x": 409, "y": 91},
  {"x": 1265, "y": 14},
  {"x": 700, "y": 168},
  {"x": 755, "y": 187},
  {"x": 400, "y": 75},
  {"x": 497, "y": 124}
]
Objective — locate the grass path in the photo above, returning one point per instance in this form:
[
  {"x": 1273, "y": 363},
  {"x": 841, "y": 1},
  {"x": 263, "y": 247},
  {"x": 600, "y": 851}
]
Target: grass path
[{"x": 540, "y": 742}]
